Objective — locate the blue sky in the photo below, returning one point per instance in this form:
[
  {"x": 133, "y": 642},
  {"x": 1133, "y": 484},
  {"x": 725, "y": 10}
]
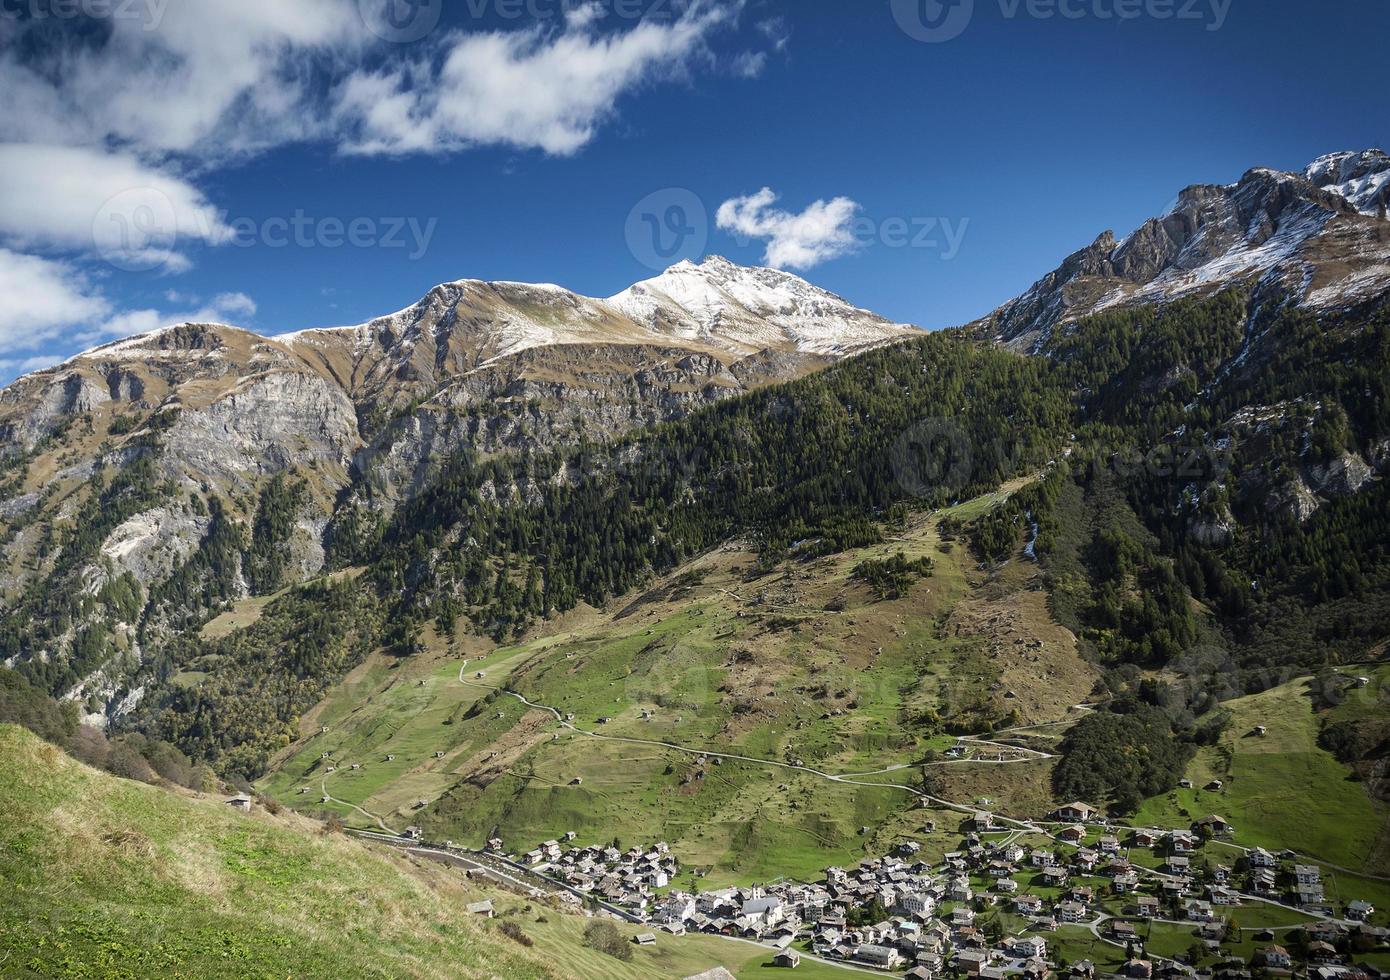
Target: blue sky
[{"x": 158, "y": 177}]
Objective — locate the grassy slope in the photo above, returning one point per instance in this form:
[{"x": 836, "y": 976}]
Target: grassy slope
[
  {"x": 111, "y": 878},
  {"x": 725, "y": 659},
  {"x": 105, "y": 877},
  {"x": 1282, "y": 790}
]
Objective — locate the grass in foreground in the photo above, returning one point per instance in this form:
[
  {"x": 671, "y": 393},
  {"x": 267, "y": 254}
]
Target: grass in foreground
[{"x": 111, "y": 878}]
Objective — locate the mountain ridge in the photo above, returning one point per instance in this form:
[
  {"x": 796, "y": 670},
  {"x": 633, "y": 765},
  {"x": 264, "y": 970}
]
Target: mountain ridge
[{"x": 1315, "y": 238}]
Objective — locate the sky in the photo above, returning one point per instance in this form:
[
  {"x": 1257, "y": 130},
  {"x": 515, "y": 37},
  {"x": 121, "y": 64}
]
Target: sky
[{"x": 286, "y": 165}]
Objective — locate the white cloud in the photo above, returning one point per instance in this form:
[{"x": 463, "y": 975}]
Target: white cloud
[
  {"x": 824, "y": 231},
  {"x": 184, "y": 76},
  {"x": 39, "y": 298},
  {"x": 546, "y": 87},
  {"x": 46, "y": 303},
  {"x": 750, "y": 64},
  {"x": 230, "y": 308},
  {"x": 109, "y": 204}
]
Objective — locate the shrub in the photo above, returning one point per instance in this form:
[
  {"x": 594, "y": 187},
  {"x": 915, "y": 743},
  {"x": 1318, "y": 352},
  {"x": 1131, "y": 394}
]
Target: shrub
[
  {"x": 605, "y": 937},
  {"x": 515, "y": 933}
]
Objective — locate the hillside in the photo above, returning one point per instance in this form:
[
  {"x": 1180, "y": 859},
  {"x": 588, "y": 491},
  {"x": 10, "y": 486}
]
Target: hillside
[
  {"x": 808, "y": 666},
  {"x": 110, "y": 877}
]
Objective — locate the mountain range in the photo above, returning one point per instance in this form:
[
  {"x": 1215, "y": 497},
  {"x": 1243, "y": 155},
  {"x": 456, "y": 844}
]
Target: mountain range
[{"x": 125, "y": 464}]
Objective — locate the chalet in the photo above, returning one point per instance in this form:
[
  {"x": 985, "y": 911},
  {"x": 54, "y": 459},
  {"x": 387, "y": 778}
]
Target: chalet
[
  {"x": 1053, "y": 877},
  {"x": 1198, "y": 911},
  {"x": 1178, "y": 865},
  {"x": 1028, "y": 947},
  {"x": 1028, "y": 904},
  {"x": 1221, "y": 895},
  {"x": 884, "y": 957},
  {"x": 1071, "y": 912},
  {"x": 788, "y": 958},
  {"x": 962, "y": 918},
  {"x": 1213, "y": 826},
  {"x": 1274, "y": 958},
  {"x": 1258, "y": 857},
  {"x": 645, "y": 939},
  {"x": 982, "y": 821},
  {"x": 1073, "y": 834},
  {"x": 1360, "y": 911},
  {"x": 1181, "y": 842},
  {"x": 1073, "y": 813},
  {"x": 1122, "y": 931},
  {"x": 1146, "y": 905},
  {"x": 1125, "y": 882},
  {"x": 1321, "y": 952},
  {"x": 1146, "y": 838},
  {"x": 1138, "y": 969}
]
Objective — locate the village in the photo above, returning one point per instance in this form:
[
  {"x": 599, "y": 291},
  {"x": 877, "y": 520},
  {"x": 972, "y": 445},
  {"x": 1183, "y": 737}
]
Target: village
[{"x": 1000, "y": 904}]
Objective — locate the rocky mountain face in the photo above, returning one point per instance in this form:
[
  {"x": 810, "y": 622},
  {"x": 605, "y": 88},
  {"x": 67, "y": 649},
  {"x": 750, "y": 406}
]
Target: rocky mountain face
[
  {"x": 1316, "y": 239},
  {"x": 359, "y": 417}
]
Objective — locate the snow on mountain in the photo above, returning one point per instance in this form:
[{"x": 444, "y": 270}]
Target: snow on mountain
[
  {"x": 1313, "y": 238},
  {"x": 1362, "y": 178},
  {"x": 752, "y": 309},
  {"x": 715, "y": 305}
]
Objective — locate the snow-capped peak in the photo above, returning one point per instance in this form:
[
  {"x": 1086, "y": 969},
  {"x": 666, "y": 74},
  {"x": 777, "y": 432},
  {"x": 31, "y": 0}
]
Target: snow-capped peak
[
  {"x": 750, "y": 309},
  {"x": 1362, "y": 177}
]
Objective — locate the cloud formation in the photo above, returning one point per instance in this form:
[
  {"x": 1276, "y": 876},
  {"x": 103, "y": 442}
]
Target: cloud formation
[
  {"x": 547, "y": 87},
  {"x": 44, "y": 299},
  {"x": 106, "y": 203},
  {"x": 823, "y": 231}
]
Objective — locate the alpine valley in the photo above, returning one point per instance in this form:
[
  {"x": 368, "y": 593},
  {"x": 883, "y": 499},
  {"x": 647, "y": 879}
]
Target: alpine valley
[{"x": 722, "y": 562}]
